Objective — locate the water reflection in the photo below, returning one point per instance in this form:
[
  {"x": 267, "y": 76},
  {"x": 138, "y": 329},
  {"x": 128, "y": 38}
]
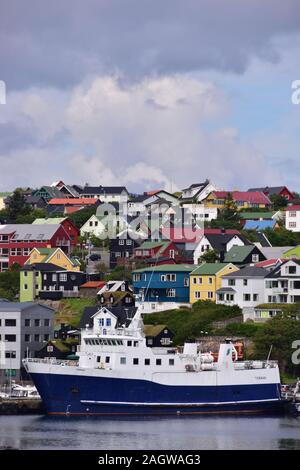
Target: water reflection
[{"x": 209, "y": 432}]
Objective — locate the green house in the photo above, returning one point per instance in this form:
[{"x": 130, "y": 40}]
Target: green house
[{"x": 31, "y": 280}]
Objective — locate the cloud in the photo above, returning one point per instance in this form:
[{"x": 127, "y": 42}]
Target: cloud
[
  {"x": 104, "y": 131},
  {"x": 61, "y": 42}
]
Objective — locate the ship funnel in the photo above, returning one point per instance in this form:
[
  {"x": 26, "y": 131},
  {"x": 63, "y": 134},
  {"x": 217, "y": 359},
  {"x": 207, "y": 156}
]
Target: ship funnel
[
  {"x": 225, "y": 355},
  {"x": 190, "y": 349}
]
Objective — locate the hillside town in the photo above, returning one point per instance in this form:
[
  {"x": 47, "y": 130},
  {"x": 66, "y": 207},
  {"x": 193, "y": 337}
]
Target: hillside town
[{"x": 202, "y": 263}]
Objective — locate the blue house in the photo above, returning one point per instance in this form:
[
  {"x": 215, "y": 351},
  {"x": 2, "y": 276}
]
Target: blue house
[{"x": 162, "y": 287}]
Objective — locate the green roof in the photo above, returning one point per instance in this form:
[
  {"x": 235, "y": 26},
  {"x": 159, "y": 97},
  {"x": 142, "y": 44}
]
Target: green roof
[
  {"x": 209, "y": 268},
  {"x": 150, "y": 245},
  {"x": 256, "y": 215},
  {"x": 153, "y": 330},
  {"x": 237, "y": 254},
  {"x": 48, "y": 221},
  {"x": 60, "y": 345},
  {"x": 46, "y": 251},
  {"x": 168, "y": 268}
]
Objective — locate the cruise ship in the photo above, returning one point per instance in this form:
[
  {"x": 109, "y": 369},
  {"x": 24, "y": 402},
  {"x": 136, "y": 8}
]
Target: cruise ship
[{"x": 117, "y": 373}]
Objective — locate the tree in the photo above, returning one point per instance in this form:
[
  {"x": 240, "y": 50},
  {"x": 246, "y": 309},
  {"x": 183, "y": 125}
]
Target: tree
[
  {"x": 228, "y": 216},
  {"x": 10, "y": 283},
  {"x": 17, "y": 206},
  {"x": 80, "y": 217},
  {"x": 280, "y": 332},
  {"x": 210, "y": 256},
  {"x": 120, "y": 272},
  {"x": 278, "y": 201},
  {"x": 31, "y": 216}
]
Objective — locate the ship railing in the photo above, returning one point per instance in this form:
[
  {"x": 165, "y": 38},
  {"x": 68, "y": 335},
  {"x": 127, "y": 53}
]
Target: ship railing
[
  {"x": 51, "y": 360},
  {"x": 255, "y": 365}
]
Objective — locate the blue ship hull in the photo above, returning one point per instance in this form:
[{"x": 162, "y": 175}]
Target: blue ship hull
[{"x": 81, "y": 395}]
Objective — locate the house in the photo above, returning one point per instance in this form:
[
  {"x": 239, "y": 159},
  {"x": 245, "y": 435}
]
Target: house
[
  {"x": 162, "y": 287},
  {"x": 153, "y": 251},
  {"x": 66, "y": 223},
  {"x": 242, "y": 255},
  {"x": 66, "y": 190},
  {"x": 200, "y": 212},
  {"x": 24, "y": 326},
  {"x": 245, "y": 288},
  {"x": 197, "y": 192},
  {"x": 48, "y": 193},
  {"x": 206, "y": 279},
  {"x": 275, "y": 190},
  {"x": 282, "y": 285},
  {"x": 47, "y": 281},
  {"x": 58, "y": 349},
  {"x": 292, "y": 218},
  {"x": 242, "y": 199},
  {"x": 122, "y": 247},
  {"x": 106, "y": 317},
  {"x": 106, "y": 193},
  {"x": 90, "y": 288},
  {"x": 219, "y": 240},
  {"x": 153, "y": 197},
  {"x": 36, "y": 202},
  {"x": 17, "y": 241},
  {"x": 136, "y": 205},
  {"x": 114, "y": 286},
  {"x": 69, "y": 205},
  {"x": 55, "y": 256},
  {"x": 264, "y": 312},
  {"x": 117, "y": 299},
  {"x": 96, "y": 225},
  {"x": 158, "y": 336}
]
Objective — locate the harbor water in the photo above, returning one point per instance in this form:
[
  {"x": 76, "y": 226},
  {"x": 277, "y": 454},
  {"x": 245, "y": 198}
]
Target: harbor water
[{"x": 209, "y": 432}]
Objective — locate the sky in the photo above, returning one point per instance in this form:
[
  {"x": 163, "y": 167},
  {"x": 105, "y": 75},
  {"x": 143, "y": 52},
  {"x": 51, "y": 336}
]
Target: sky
[{"x": 150, "y": 94}]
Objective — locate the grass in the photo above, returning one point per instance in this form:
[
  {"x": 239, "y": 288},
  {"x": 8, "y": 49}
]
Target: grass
[
  {"x": 71, "y": 310},
  {"x": 187, "y": 324}
]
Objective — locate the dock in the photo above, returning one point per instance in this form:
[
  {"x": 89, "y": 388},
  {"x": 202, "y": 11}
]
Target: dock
[{"x": 10, "y": 406}]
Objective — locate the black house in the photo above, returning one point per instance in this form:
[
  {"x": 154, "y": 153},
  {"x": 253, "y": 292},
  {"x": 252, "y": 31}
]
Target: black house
[
  {"x": 158, "y": 336},
  {"x": 122, "y": 248},
  {"x": 123, "y": 314},
  {"x": 61, "y": 283}
]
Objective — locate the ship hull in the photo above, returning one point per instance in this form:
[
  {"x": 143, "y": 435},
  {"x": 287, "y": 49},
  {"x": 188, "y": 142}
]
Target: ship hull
[{"x": 85, "y": 395}]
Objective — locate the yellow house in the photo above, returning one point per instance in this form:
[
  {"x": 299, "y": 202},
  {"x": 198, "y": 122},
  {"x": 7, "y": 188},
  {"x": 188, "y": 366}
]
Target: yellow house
[
  {"x": 206, "y": 279},
  {"x": 55, "y": 256},
  {"x": 242, "y": 199}
]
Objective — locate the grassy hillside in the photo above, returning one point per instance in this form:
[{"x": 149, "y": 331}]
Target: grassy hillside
[
  {"x": 70, "y": 310},
  {"x": 188, "y": 323}
]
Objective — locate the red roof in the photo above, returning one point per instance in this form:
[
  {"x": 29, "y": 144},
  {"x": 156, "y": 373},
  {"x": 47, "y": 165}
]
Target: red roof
[
  {"x": 93, "y": 284},
  {"x": 255, "y": 197},
  {"x": 70, "y": 209},
  {"x": 293, "y": 208},
  {"x": 267, "y": 262},
  {"x": 79, "y": 201},
  {"x": 152, "y": 193}
]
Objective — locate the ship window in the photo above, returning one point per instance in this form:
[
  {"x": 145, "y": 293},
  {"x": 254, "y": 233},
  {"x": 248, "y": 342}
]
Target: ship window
[
  {"x": 135, "y": 344},
  {"x": 129, "y": 343},
  {"x": 158, "y": 362},
  {"x": 135, "y": 361},
  {"x": 122, "y": 360},
  {"x": 107, "y": 359},
  {"x": 98, "y": 358},
  {"x": 171, "y": 362},
  {"x": 147, "y": 362}
]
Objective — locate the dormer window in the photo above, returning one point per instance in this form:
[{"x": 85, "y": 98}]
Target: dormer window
[{"x": 291, "y": 269}]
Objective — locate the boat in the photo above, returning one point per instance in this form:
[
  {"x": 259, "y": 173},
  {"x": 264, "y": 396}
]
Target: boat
[
  {"x": 119, "y": 374},
  {"x": 23, "y": 392}
]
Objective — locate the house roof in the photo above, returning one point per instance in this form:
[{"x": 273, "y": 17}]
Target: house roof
[
  {"x": 51, "y": 190},
  {"x": 93, "y": 284},
  {"x": 225, "y": 289},
  {"x": 153, "y": 330},
  {"x": 292, "y": 252},
  {"x": 209, "y": 268},
  {"x": 248, "y": 271},
  {"x": 168, "y": 268},
  {"x": 124, "y": 315},
  {"x": 276, "y": 272},
  {"x": 53, "y": 220},
  {"x": 269, "y": 190},
  {"x": 43, "y": 267},
  {"x": 255, "y": 197},
  {"x": 220, "y": 240},
  {"x": 30, "y": 232},
  {"x": 80, "y": 201},
  {"x": 256, "y": 215},
  {"x": 259, "y": 224},
  {"x": 60, "y": 345},
  {"x": 104, "y": 190},
  {"x": 268, "y": 262},
  {"x": 237, "y": 254},
  {"x": 295, "y": 207},
  {"x": 271, "y": 252}
]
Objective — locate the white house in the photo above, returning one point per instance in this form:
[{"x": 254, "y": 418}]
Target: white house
[
  {"x": 292, "y": 218},
  {"x": 245, "y": 288},
  {"x": 282, "y": 285},
  {"x": 221, "y": 242},
  {"x": 198, "y": 191}
]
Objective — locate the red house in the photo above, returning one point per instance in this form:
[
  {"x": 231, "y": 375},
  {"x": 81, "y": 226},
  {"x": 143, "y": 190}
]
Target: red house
[
  {"x": 17, "y": 240},
  {"x": 278, "y": 190},
  {"x": 158, "y": 252},
  {"x": 66, "y": 223}
]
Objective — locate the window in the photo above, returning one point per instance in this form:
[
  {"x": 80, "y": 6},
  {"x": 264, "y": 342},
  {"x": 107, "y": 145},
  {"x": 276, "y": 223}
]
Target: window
[
  {"x": 292, "y": 269},
  {"x": 171, "y": 292},
  {"x": 255, "y": 297},
  {"x": 172, "y": 253},
  {"x": 27, "y": 338},
  {"x": 10, "y": 338},
  {"x": 255, "y": 258},
  {"x": 46, "y": 337},
  {"x": 123, "y": 360},
  {"x": 158, "y": 362},
  {"x": 128, "y": 242},
  {"x": 245, "y": 282},
  {"x": 247, "y": 297},
  {"x": 25, "y": 286},
  {"x": 37, "y": 322},
  {"x": 107, "y": 359},
  {"x": 210, "y": 280},
  {"x": 101, "y": 321},
  {"x": 147, "y": 362},
  {"x": 194, "y": 280},
  {"x": 27, "y": 322},
  {"x": 136, "y": 277},
  {"x": 54, "y": 277},
  {"x": 129, "y": 343},
  {"x": 186, "y": 282},
  {"x": 108, "y": 322},
  {"x": 10, "y": 354},
  {"x": 63, "y": 277},
  {"x": 292, "y": 214},
  {"x": 210, "y": 295},
  {"x": 135, "y": 361},
  {"x": 91, "y": 223},
  {"x": 171, "y": 362},
  {"x": 197, "y": 294},
  {"x": 135, "y": 344},
  {"x": 121, "y": 242},
  {"x": 47, "y": 322},
  {"x": 10, "y": 322},
  {"x": 25, "y": 273},
  {"x": 165, "y": 341},
  {"x": 292, "y": 224},
  {"x": 37, "y": 338},
  {"x": 26, "y": 251}
]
